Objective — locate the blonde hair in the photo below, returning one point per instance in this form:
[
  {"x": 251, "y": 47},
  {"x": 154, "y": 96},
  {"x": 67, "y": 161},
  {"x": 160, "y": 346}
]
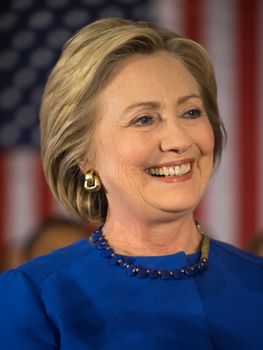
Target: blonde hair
[{"x": 68, "y": 110}]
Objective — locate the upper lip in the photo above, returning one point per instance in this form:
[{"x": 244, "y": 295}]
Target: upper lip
[{"x": 172, "y": 163}]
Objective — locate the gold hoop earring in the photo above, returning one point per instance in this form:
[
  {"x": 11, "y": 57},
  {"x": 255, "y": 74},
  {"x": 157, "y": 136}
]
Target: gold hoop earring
[{"x": 92, "y": 182}]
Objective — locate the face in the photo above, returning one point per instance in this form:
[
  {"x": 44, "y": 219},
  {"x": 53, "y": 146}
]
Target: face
[{"x": 154, "y": 142}]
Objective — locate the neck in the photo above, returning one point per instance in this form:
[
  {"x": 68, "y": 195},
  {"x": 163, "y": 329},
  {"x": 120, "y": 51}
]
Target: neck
[{"x": 152, "y": 239}]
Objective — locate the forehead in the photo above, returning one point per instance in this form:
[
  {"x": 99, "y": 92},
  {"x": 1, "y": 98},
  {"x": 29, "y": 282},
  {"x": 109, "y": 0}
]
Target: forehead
[{"x": 150, "y": 74}]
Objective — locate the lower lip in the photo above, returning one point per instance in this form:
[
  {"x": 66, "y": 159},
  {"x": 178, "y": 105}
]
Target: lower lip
[{"x": 173, "y": 179}]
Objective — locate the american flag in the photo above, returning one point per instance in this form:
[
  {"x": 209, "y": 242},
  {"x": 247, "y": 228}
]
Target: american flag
[{"x": 32, "y": 34}]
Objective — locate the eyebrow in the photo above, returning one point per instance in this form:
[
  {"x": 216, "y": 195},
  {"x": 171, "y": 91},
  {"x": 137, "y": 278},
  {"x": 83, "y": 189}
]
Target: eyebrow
[
  {"x": 188, "y": 97},
  {"x": 155, "y": 105}
]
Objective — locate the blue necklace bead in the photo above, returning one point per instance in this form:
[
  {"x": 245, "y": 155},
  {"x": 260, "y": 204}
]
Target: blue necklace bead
[
  {"x": 131, "y": 270},
  {"x": 142, "y": 272},
  {"x": 153, "y": 274},
  {"x": 114, "y": 259},
  {"x": 107, "y": 253},
  {"x": 178, "y": 274},
  {"x": 166, "y": 275}
]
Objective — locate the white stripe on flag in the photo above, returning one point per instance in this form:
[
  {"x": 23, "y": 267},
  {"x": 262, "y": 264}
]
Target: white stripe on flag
[
  {"x": 22, "y": 213},
  {"x": 219, "y": 39},
  {"x": 169, "y": 14}
]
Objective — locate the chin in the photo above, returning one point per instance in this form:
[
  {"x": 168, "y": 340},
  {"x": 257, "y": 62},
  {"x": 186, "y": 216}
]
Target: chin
[{"x": 176, "y": 205}]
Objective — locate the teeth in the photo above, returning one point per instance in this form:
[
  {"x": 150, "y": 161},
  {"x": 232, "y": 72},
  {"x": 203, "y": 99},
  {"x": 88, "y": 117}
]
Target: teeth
[
  {"x": 171, "y": 171},
  {"x": 177, "y": 170},
  {"x": 165, "y": 171}
]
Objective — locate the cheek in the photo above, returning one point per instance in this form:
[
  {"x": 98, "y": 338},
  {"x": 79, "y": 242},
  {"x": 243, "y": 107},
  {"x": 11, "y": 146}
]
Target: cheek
[
  {"x": 206, "y": 139},
  {"x": 118, "y": 158},
  {"x": 207, "y": 150},
  {"x": 129, "y": 151}
]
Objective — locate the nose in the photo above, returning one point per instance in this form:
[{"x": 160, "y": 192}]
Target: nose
[{"x": 175, "y": 138}]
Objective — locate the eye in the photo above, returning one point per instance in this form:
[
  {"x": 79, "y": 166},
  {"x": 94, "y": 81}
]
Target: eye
[
  {"x": 143, "y": 120},
  {"x": 193, "y": 113}
]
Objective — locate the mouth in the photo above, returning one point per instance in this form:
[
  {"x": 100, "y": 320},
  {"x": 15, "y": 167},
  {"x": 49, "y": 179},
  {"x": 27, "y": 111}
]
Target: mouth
[{"x": 177, "y": 170}]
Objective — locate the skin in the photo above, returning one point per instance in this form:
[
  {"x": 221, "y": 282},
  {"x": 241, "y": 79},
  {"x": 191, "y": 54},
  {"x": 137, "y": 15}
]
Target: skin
[
  {"x": 54, "y": 238},
  {"x": 150, "y": 215}
]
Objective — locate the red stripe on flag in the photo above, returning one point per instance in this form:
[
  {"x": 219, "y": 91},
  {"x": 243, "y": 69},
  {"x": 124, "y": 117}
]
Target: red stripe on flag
[
  {"x": 45, "y": 196},
  {"x": 192, "y": 19},
  {"x": 247, "y": 108}
]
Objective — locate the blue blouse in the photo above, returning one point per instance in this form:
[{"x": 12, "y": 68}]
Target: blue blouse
[{"x": 74, "y": 299}]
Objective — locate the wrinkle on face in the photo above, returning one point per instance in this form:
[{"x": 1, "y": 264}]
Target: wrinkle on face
[{"x": 123, "y": 151}]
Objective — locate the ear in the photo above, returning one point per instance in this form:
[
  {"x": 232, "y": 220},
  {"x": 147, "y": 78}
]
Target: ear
[
  {"x": 86, "y": 164},
  {"x": 87, "y": 160}
]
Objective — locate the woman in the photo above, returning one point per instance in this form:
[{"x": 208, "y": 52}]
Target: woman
[{"x": 130, "y": 136}]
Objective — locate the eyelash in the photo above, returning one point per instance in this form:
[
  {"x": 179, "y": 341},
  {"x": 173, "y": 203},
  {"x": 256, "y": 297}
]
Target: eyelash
[
  {"x": 193, "y": 113},
  {"x": 139, "y": 120},
  {"x": 197, "y": 113}
]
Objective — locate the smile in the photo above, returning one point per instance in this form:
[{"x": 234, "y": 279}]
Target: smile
[{"x": 177, "y": 170}]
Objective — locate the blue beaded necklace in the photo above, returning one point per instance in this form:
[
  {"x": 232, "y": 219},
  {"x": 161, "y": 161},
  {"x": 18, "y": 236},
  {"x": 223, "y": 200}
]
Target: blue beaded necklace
[{"x": 132, "y": 269}]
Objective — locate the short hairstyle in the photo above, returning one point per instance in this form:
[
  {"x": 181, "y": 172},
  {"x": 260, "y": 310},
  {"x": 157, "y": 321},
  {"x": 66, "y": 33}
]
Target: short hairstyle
[{"x": 68, "y": 115}]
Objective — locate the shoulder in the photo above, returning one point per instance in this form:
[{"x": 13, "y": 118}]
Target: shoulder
[
  {"x": 28, "y": 303},
  {"x": 39, "y": 269},
  {"x": 231, "y": 252},
  {"x": 237, "y": 262}
]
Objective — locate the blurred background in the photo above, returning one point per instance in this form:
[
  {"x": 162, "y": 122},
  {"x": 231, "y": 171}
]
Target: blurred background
[{"x": 32, "y": 33}]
